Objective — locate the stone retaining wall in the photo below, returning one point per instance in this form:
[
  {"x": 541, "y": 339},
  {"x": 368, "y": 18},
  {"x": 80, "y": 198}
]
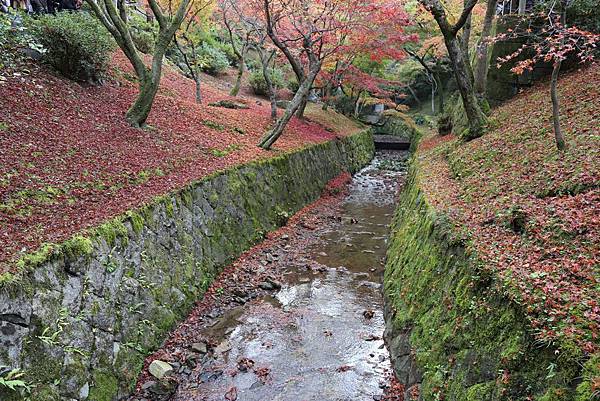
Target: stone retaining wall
[
  {"x": 82, "y": 319},
  {"x": 452, "y": 332}
]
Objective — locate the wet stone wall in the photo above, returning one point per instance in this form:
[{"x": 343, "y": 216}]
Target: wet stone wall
[{"x": 83, "y": 318}]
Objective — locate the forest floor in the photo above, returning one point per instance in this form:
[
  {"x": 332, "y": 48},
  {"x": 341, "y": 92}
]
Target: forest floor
[
  {"x": 529, "y": 212},
  {"x": 69, "y": 160}
]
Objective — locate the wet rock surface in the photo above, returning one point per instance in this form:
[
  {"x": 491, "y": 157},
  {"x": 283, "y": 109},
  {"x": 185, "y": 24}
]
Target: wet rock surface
[{"x": 299, "y": 317}]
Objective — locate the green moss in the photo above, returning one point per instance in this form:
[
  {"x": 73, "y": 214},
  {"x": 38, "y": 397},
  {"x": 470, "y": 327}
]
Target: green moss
[
  {"x": 77, "y": 246},
  {"x": 105, "y": 386},
  {"x": 169, "y": 208},
  {"x": 589, "y": 388},
  {"x": 44, "y": 368},
  {"x": 464, "y": 330},
  {"x": 35, "y": 259},
  {"x": 113, "y": 230},
  {"x": 481, "y": 391},
  {"x": 44, "y": 392},
  {"x": 128, "y": 365},
  {"x": 137, "y": 221}
]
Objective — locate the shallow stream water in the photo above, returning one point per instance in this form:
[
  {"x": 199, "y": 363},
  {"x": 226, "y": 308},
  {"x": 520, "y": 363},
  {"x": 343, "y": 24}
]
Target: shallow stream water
[{"x": 320, "y": 336}]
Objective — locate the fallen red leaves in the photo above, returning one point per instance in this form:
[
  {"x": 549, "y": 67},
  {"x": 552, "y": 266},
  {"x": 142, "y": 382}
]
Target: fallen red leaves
[
  {"x": 69, "y": 161},
  {"x": 552, "y": 267}
]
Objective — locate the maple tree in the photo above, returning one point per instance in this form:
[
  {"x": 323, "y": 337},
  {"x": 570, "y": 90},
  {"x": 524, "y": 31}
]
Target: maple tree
[
  {"x": 116, "y": 22},
  {"x": 552, "y": 42},
  {"x": 188, "y": 40},
  {"x": 239, "y": 31},
  {"x": 312, "y": 33},
  {"x": 460, "y": 63}
]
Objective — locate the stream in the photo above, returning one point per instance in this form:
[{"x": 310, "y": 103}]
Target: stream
[{"x": 317, "y": 335}]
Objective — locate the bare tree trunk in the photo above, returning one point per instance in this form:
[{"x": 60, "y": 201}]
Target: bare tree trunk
[
  {"x": 122, "y": 10},
  {"x": 440, "y": 85},
  {"x": 270, "y": 88},
  {"x": 466, "y": 34},
  {"x": 414, "y": 95},
  {"x": 198, "y": 89},
  {"x": 481, "y": 56},
  {"x": 238, "y": 81},
  {"x": 139, "y": 111},
  {"x": 460, "y": 64},
  {"x": 432, "y": 95},
  {"x": 441, "y": 96},
  {"x": 464, "y": 80},
  {"x": 302, "y": 107},
  {"x": 558, "y": 135},
  {"x": 149, "y": 78},
  {"x": 265, "y": 61},
  {"x": 270, "y": 137}
]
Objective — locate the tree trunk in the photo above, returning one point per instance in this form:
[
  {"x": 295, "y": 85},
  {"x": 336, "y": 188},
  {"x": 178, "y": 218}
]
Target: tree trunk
[
  {"x": 440, "y": 85},
  {"x": 238, "y": 81},
  {"x": 198, "y": 91},
  {"x": 441, "y": 96},
  {"x": 265, "y": 61},
  {"x": 481, "y": 56},
  {"x": 138, "y": 112},
  {"x": 464, "y": 80},
  {"x": 270, "y": 88},
  {"x": 414, "y": 95},
  {"x": 558, "y": 135},
  {"x": 270, "y": 137},
  {"x": 122, "y": 10},
  {"x": 302, "y": 107},
  {"x": 432, "y": 95},
  {"x": 466, "y": 35}
]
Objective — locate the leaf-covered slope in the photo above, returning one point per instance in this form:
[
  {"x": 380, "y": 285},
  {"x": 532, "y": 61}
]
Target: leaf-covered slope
[
  {"x": 530, "y": 213},
  {"x": 69, "y": 161}
]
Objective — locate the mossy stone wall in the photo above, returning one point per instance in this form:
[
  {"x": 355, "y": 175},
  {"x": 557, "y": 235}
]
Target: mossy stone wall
[
  {"x": 452, "y": 332},
  {"x": 86, "y": 313}
]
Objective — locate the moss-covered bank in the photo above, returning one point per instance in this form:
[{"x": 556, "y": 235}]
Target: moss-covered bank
[
  {"x": 451, "y": 330},
  {"x": 85, "y": 313}
]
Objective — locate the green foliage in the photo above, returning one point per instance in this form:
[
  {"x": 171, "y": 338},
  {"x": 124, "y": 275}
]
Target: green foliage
[
  {"x": 143, "y": 34},
  {"x": 14, "y": 39},
  {"x": 212, "y": 60},
  {"x": 12, "y": 379},
  {"x": 258, "y": 83},
  {"x": 293, "y": 84},
  {"x": 77, "y": 45}
]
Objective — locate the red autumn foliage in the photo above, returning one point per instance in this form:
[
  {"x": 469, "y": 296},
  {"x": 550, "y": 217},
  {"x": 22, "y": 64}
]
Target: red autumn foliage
[
  {"x": 550, "y": 266},
  {"x": 69, "y": 160}
]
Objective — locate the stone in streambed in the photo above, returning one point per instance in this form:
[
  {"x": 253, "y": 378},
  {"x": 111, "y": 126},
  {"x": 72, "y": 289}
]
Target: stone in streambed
[
  {"x": 160, "y": 369},
  {"x": 199, "y": 348}
]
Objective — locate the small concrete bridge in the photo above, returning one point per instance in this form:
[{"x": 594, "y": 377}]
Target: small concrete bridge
[{"x": 391, "y": 142}]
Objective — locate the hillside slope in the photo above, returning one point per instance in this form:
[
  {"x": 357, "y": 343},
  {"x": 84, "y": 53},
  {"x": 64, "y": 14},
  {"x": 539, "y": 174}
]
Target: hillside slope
[
  {"x": 493, "y": 269},
  {"x": 69, "y": 161},
  {"x": 531, "y": 213}
]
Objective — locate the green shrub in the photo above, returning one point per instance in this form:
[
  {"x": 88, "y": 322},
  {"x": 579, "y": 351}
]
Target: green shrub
[
  {"x": 143, "y": 34},
  {"x": 77, "y": 45},
  {"x": 259, "y": 85},
  {"x": 293, "y": 84},
  {"x": 143, "y": 41},
  {"x": 212, "y": 59}
]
